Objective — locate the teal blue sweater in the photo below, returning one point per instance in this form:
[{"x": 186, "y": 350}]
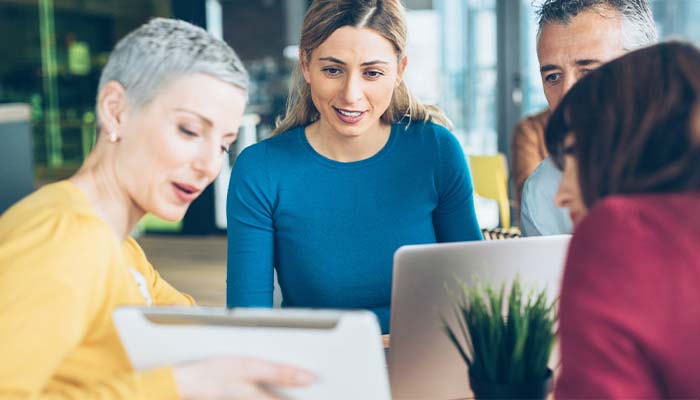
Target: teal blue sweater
[{"x": 331, "y": 228}]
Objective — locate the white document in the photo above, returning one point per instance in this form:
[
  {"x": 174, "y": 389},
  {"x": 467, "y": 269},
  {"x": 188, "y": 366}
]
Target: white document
[{"x": 343, "y": 349}]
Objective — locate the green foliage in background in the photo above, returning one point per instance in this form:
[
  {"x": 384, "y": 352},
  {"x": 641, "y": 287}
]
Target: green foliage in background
[
  {"x": 511, "y": 349},
  {"x": 151, "y": 223}
]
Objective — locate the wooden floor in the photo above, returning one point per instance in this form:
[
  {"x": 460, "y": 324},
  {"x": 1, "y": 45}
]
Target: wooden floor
[{"x": 195, "y": 265}]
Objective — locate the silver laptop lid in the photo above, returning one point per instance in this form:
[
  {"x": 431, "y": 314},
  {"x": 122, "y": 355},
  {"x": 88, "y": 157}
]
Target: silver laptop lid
[{"x": 423, "y": 364}]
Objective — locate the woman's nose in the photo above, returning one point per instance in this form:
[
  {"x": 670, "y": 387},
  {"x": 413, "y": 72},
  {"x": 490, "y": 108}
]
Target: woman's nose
[
  {"x": 352, "y": 90},
  {"x": 208, "y": 162}
]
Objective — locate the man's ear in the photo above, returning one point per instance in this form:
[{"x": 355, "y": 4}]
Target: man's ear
[
  {"x": 111, "y": 107},
  {"x": 303, "y": 63},
  {"x": 403, "y": 62}
]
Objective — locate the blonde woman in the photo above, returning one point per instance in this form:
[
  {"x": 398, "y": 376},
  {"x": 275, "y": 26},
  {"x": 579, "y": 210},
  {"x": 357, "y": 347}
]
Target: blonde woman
[
  {"x": 357, "y": 168},
  {"x": 169, "y": 103}
]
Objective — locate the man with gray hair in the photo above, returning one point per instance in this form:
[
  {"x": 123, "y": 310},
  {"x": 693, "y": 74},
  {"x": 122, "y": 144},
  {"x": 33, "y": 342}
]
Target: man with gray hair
[{"x": 574, "y": 37}]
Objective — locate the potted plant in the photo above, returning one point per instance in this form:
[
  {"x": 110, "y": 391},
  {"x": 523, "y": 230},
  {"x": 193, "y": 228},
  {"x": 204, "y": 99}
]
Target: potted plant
[{"x": 506, "y": 340}]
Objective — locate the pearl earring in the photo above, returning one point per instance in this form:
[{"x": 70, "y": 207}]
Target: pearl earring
[{"x": 113, "y": 137}]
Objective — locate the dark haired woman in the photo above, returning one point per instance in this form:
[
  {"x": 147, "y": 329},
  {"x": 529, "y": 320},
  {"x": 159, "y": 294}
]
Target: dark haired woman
[{"x": 628, "y": 139}]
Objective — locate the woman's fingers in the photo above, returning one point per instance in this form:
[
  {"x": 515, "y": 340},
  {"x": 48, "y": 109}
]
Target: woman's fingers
[{"x": 273, "y": 374}]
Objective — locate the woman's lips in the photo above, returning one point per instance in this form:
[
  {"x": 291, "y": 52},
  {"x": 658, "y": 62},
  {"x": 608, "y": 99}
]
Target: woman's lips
[
  {"x": 574, "y": 217},
  {"x": 349, "y": 116},
  {"x": 185, "y": 193}
]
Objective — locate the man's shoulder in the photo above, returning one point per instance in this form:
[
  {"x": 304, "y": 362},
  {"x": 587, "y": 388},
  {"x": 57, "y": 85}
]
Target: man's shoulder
[
  {"x": 537, "y": 207},
  {"x": 533, "y": 124},
  {"x": 545, "y": 178}
]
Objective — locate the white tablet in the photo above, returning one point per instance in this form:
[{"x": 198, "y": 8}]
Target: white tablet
[{"x": 343, "y": 349}]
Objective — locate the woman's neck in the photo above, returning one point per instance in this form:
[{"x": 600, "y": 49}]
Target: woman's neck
[
  {"x": 97, "y": 179},
  {"x": 342, "y": 148}
]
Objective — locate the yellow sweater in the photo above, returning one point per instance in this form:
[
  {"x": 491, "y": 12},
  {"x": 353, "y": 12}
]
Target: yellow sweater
[{"x": 62, "y": 272}]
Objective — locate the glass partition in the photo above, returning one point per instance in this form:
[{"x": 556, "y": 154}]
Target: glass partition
[
  {"x": 53, "y": 52},
  {"x": 468, "y": 70}
]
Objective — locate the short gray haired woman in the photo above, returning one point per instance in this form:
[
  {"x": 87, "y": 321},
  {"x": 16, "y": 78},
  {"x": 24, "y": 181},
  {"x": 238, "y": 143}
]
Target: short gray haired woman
[{"x": 169, "y": 103}]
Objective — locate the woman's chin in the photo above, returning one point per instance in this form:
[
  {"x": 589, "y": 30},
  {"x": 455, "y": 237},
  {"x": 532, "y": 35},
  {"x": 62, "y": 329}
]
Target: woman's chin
[{"x": 171, "y": 214}]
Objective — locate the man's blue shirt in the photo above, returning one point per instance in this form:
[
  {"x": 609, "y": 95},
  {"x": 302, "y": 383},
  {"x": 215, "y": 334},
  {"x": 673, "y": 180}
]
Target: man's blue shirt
[{"x": 538, "y": 213}]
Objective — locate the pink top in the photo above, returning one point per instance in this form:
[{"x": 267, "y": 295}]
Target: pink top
[{"x": 630, "y": 301}]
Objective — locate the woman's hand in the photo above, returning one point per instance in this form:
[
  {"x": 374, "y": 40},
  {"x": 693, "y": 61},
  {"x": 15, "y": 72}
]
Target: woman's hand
[{"x": 235, "y": 378}]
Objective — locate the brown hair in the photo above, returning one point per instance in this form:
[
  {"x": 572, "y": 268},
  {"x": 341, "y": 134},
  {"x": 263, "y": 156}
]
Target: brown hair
[
  {"x": 635, "y": 123},
  {"x": 324, "y": 17}
]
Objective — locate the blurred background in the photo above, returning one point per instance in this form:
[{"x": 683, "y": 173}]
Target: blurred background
[{"x": 475, "y": 59}]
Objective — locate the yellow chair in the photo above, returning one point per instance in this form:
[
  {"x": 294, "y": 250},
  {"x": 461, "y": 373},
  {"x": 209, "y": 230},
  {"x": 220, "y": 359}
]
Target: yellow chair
[{"x": 490, "y": 177}]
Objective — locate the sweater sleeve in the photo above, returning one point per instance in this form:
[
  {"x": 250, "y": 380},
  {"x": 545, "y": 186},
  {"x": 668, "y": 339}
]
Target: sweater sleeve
[
  {"x": 527, "y": 149},
  {"x": 163, "y": 293},
  {"x": 454, "y": 218},
  {"x": 51, "y": 288},
  {"x": 250, "y": 228},
  {"x": 155, "y": 384},
  {"x": 605, "y": 301}
]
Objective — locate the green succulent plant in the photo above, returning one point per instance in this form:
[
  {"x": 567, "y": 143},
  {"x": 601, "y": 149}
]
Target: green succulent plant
[{"x": 510, "y": 348}]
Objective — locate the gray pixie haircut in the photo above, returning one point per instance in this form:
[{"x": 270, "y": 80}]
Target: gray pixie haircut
[
  {"x": 162, "y": 50},
  {"x": 638, "y": 27}
]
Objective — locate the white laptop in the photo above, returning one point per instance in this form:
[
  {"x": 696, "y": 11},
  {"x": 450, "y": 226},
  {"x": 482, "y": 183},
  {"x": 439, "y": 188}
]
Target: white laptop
[
  {"x": 343, "y": 349},
  {"x": 423, "y": 364}
]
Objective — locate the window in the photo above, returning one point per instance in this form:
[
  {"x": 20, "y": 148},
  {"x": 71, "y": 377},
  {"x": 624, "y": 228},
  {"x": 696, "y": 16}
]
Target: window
[
  {"x": 677, "y": 19},
  {"x": 466, "y": 50},
  {"x": 533, "y": 94}
]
